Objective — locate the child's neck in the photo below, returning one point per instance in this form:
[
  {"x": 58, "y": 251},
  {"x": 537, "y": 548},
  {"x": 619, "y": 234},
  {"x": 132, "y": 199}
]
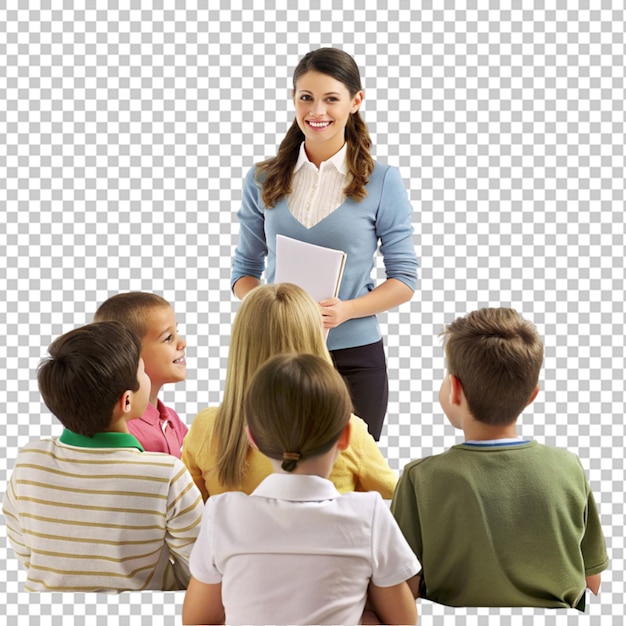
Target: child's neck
[
  {"x": 119, "y": 424},
  {"x": 320, "y": 465},
  {"x": 477, "y": 431},
  {"x": 154, "y": 395}
]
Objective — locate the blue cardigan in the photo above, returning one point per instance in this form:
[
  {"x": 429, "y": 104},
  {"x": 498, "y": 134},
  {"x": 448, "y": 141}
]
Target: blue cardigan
[{"x": 355, "y": 227}]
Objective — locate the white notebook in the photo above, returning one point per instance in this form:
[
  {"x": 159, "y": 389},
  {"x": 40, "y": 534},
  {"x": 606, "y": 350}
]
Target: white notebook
[{"x": 316, "y": 269}]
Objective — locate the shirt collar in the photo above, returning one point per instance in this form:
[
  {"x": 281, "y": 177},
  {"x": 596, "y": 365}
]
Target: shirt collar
[
  {"x": 338, "y": 160},
  {"x": 297, "y": 488},
  {"x": 100, "y": 440},
  {"x": 154, "y": 415},
  {"x": 496, "y": 443}
]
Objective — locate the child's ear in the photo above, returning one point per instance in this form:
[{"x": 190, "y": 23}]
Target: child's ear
[
  {"x": 456, "y": 390},
  {"x": 250, "y": 438},
  {"x": 533, "y": 395},
  {"x": 124, "y": 405},
  {"x": 344, "y": 439},
  {"x": 125, "y": 402}
]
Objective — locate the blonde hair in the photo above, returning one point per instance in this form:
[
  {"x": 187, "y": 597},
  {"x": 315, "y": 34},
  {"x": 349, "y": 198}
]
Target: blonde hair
[
  {"x": 274, "y": 175},
  {"x": 296, "y": 406},
  {"x": 496, "y": 354},
  {"x": 131, "y": 309},
  {"x": 272, "y": 319}
]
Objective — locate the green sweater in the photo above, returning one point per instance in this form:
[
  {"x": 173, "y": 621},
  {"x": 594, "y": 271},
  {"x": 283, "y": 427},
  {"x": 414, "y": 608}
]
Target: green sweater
[{"x": 501, "y": 525}]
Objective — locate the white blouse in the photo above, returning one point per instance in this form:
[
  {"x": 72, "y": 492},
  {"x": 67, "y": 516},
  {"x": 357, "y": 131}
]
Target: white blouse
[{"x": 315, "y": 194}]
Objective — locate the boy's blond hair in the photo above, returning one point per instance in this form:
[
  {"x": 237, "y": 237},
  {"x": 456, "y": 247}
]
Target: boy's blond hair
[
  {"x": 131, "y": 309},
  {"x": 496, "y": 355}
]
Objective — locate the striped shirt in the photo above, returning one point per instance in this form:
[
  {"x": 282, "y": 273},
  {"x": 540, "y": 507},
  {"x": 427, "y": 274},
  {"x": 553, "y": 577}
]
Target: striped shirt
[
  {"x": 315, "y": 194},
  {"x": 99, "y": 514}
]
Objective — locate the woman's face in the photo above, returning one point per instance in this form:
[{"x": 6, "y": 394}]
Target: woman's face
[{"x": 323, "y": 106}]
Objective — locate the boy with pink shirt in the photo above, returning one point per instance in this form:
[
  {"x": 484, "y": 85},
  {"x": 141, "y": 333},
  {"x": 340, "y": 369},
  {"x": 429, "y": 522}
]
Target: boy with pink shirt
[{"x": 153, "y": 320}]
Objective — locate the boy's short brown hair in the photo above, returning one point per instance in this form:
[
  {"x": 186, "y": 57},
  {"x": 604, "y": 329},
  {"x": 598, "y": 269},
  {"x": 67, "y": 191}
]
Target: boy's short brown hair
[
  {"x": 496, "y": 354},
  {"x": 87, "y": 372},
  {"x": 131, "y": 309}
]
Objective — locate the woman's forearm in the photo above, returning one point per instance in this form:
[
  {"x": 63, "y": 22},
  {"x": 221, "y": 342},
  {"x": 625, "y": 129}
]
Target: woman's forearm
[
  {"x": 244, "y": 285},
  {"x": 387, "y": 295}
]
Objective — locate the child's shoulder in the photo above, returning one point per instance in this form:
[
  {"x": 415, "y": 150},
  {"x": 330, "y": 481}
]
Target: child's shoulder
[
  {"x": 171, "y": 414},
  {"x": 56, "y": 450},
  {"x": 559, "y": 457},
  {"x": 43, "y": 442},
  {"x": 167, "y": 462},
  {"x": 203, "y": 423},
  {"x": 537, "y": 453},
  {"x": 44, "y": 445},
  {"x": 427, "y": 461},
  {"x": 530, "y": 451},
  {"x": 167, "y": 409},
  {"x": 228, "y": 505},
  {"x": 372, "y": 497},
  {"x": 365, "y": 502},
  {"x": 208, "y": 415}
]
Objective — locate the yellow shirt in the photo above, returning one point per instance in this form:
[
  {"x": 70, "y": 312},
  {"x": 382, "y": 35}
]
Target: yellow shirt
[{"x": 360, "y": 467}]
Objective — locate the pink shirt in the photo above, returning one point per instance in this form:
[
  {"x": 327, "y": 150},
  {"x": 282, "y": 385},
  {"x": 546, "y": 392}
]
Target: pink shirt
[{"x": 152, "y": 426}]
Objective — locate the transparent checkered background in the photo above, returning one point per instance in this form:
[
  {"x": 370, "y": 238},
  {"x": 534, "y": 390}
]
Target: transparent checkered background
[{"x": 124, "y": 138}]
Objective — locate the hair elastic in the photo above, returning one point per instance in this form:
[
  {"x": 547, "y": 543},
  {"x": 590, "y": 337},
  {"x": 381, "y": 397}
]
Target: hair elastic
[{"x": 291, "y": 456}]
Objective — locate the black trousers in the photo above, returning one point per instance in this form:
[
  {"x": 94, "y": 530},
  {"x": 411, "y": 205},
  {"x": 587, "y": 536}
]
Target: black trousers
[{"x": 364, "y": 369}]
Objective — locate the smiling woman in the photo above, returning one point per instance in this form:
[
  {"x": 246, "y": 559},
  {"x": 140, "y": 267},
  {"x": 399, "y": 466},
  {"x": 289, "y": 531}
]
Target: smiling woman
[
  {"x": 323, "y": 187},
  {"x": 322, "y": 115}
]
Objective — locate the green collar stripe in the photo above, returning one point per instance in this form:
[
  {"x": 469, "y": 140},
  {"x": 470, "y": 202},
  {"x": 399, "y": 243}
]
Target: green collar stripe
[{"x": 100, "y": 440}]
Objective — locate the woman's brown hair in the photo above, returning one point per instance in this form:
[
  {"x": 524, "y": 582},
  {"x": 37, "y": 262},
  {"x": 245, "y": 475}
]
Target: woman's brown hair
[{"x": 274, "y": 175}]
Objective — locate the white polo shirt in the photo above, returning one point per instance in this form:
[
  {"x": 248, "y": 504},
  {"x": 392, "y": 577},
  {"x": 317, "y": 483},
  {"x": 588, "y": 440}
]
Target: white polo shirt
[{"x": 296, "y": 551}]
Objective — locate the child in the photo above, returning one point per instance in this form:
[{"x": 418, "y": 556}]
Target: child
[
  {"x": 90, "y": 511},
  {"x": 153, "y": 320},
  {"x": 296, "y": 551},
  {"x": 272, "y": 319},
  {"x": 499, "y": 520},
  {"x": 324, "y": 187}
]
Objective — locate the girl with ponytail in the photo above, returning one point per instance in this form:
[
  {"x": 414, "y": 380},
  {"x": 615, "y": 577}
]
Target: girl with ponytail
[
  {"x": 323, "y": 187},
  {"x": 295, "y": 551}
]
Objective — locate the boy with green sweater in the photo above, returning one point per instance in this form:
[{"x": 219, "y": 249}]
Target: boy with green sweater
[{"x": 499, "y": 520}]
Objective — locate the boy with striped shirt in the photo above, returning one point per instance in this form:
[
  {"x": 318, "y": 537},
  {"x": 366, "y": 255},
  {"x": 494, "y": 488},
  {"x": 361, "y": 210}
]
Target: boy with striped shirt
[{"x": 90, "y": 510}]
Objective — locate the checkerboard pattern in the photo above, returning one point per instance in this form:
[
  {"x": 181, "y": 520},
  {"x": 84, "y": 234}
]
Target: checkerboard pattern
[{"x": 124, "y": 138}]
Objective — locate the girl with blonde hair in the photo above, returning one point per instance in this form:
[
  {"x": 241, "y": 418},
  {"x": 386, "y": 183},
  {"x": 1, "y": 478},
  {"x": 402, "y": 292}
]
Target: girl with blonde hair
[{"x": 272, "y": 319}]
